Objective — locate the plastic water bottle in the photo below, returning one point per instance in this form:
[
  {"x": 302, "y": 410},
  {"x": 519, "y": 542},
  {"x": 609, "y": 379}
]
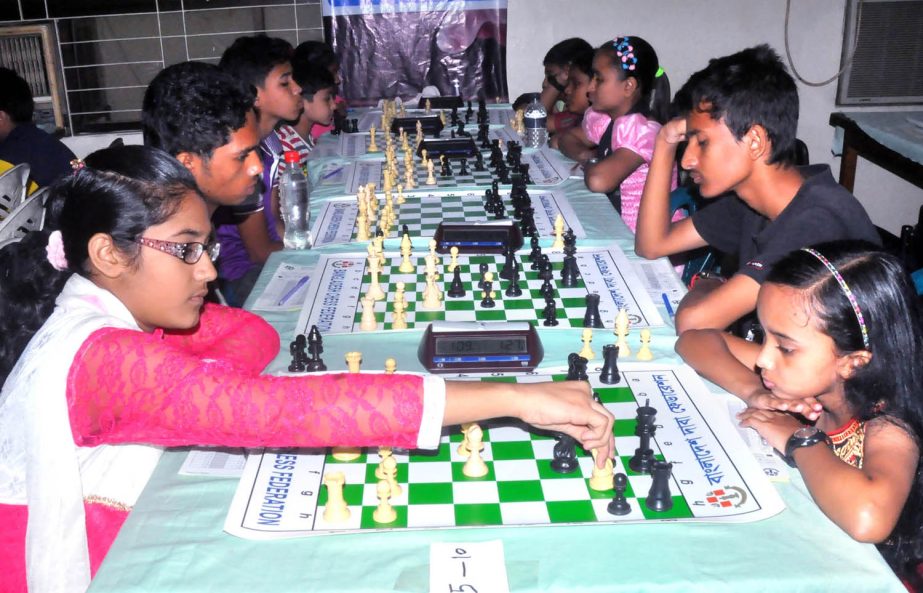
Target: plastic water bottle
[
  {"x": 295, "y": 205},
  {"x": 535, "y": 120}
]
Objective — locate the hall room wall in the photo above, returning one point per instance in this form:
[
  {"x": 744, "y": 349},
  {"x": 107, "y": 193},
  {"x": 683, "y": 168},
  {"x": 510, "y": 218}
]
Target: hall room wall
[{"x": 686, "y": 34}]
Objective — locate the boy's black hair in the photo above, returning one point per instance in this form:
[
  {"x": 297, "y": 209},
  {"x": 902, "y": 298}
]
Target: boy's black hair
[
  {"x": 315, "y": 52},
  {"x": 311, "y": 77},
  {"x": 15, "y": 96},
  {"x": 252, "y": 58},
  {"x": 194, "y": 107},
  {"x": 751, "y": 87},
  {"x": 563, "y": 52},
  {"x": 583, "y": 61}
]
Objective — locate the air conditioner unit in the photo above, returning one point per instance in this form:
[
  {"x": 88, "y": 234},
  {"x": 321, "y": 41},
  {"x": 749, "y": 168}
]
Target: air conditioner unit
[{"x": 30, "y": 50}]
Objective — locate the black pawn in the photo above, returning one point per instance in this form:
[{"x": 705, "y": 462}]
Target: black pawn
[
  {"x": 550, "y": 314},
  {"x": 565, "y": 455},
  {"x": 659, "y": 498},
  {"x": 513, "y": 289},
  {"x": 479, "y": 162},
  {"x": 610, "y": 373},
  {"x": 297, "y": 365},
  {"x": 591, "y": 317},
  {"x": 464, "y": 168},
  {"x": 487, "y": 301},
  {"x": 456, "y": 289},
  {"x": 619, "y": 505}
]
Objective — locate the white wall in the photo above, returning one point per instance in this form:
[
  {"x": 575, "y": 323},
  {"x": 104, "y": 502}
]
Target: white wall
[{"x": 687, "y": 33}]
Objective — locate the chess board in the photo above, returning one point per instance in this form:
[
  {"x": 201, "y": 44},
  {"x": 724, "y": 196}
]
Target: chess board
[
  {"x": 423, "y": 211},
  {"x": 497, "y": 115},
  {"x": 360, "y": 173},
  {"x": 338, "y": 283},
  {"x": 715, "y": 478}
]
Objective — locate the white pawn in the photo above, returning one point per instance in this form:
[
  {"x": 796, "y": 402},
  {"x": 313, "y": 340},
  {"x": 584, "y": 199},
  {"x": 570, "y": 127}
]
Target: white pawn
[
  {"x": 587, "y": 351},
  {"x": 368, "y": 323},
  {"x": 464, "y": 448},
  {"x": 389, "y": 469},
  {"x": 644, "y": 353},
  {"x": 346, "y": 453},
  {"x": 400, "y": 194},
  {"x": 385, "y": 512},
  {"x": 454, "y": 263},
  {"x": 621, "y": 330},
  {"x": 409, "y": 180},
  {"x": 398, "y": 316},
  {"x": 383, "y": 452},
  {"x": 399, "y": 295},
  {"x": 475, "y": 466},
  {"x": 601, "y": 479},
  {"x": 431, "y": 295},
  {"x": 336, "y": 510},
  {"x": 432, "y": 251},
  {"x": 430, "y": 176}
]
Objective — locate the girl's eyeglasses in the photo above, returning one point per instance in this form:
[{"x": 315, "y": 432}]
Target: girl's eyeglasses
[{"x": 190, "y": 253}]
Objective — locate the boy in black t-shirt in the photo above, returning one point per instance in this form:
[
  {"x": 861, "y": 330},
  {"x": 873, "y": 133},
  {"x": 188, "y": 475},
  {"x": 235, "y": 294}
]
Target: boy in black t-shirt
[{"x": 740, "y": 119}]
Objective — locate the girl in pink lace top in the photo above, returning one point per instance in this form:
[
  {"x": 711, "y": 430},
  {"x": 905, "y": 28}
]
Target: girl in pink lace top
[{"x": 130, "y": 360}]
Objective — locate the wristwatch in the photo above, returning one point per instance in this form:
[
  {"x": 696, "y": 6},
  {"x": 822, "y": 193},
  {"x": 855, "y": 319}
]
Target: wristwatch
[{"x": 806, "y": 436}]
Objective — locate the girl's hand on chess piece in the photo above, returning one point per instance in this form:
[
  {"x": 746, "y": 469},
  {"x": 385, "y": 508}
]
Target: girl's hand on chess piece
[{"x": 569, "y": 407}]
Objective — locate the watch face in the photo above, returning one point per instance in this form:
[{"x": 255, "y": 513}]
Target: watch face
[{"x": 806, "y": 432}]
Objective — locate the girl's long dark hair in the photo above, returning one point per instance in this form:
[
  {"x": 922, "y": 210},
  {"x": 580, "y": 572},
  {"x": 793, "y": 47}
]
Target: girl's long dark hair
[
  {"x": 652, "y": 80},
  {"x": 890, "y": 386},
  {"x": 120, "y": 192}
]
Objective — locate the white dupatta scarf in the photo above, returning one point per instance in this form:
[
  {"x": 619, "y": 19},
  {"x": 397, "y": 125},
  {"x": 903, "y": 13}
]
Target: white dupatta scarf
[{"x": 39, "y": 463}]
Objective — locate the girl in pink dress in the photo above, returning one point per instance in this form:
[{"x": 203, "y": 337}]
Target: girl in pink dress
[{"x": 129, "y": 359}]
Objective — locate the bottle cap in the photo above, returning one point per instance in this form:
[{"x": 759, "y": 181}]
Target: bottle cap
[{"x": 291, "y": 156}]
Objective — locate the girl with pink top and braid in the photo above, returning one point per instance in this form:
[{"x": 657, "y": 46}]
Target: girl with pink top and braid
[
  {"x": 630, "y": 98},
  {"x": 128, "y": 359}
]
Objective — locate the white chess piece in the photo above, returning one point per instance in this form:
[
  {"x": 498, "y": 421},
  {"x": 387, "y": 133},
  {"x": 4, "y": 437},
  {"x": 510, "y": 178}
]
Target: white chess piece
[
  {"x": 390, "y": 366},
  {"x": 374, "y": 292},
  {"x": 431, "y": 300},
  {"x": 389, "y": 469},
  {"x": 353, "y": 361},
  {"x": 368, "y": 323},
  {"x": 454, "y": 262},
  {"x": 398, "y": 316},
  {"x": 372, "y": 146},
  {"x": 644, "y": 353},
  {"x": 385, "y": 512},
  {"x": 475, "y": 466},
  {"x": 383, "y": 452},
  {"x": 336, "y": 510},
  {"x": 621, "y": 330},
  {"x": 430, "y": 176},
  {"x": 587, "y": 351},
  {"x": 346, "y": 453},
  {"x": 601, "y": 479},
  {"x": 406, "y": 266},
  {"x": 558, "y": 232}
]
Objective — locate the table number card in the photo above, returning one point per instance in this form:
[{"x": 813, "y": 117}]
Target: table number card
[{"x": 467, "y": 567}]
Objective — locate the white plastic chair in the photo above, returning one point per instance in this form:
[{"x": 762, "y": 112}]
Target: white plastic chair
[
  {"x": 29, "y": 216},
  {"x": 13, "y": 186}
]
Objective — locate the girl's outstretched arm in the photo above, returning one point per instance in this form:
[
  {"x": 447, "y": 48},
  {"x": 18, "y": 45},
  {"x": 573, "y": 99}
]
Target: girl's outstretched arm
[
  {"x": 866, "y": 503},
  {"x": 606, "y": 175}
]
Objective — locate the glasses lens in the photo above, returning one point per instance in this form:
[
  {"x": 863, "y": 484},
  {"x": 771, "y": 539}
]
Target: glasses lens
[
  {"x": 213, "y": 250},
  {"x": 192, "y": 252}
]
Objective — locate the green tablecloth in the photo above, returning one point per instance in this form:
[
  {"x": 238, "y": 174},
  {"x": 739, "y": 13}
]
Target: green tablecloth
[{"x": 173, "y": 540}]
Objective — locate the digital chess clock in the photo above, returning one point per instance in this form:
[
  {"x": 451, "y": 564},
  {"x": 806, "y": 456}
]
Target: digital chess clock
[
  {"x": 431, "y": 124},
  {"x": 480, "y": 347},
  {"x": 442, "y": 102},
  {"x": 452, "y": 148},
  {"x": 478, "y": 238}
]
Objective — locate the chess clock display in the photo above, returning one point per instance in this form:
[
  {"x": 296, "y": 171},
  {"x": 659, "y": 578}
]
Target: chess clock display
[
  {"x": 477, "y": 238},
  {"x": 480, "y": 347},
  {"x": 442, "y": 102}
]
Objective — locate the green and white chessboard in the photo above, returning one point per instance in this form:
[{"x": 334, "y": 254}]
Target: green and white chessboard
[
  {"x": 361, "y": 173},
  {"x": 715, "y": 477},
  {"x": 338, "y": 283},
  {"x": 497, "y": 115},
  {"x": 423, "y": 211}
]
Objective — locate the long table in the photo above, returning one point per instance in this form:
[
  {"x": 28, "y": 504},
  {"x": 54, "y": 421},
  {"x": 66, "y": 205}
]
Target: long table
[{"x": 173, "y": 540}]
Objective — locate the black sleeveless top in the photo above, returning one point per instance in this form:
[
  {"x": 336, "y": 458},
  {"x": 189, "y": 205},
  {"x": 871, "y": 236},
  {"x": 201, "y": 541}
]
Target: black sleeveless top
[{"x": 604, "y": 149}]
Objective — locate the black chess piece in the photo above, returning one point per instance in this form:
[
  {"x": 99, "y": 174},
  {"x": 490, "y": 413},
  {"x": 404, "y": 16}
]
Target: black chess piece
[
  {"x": 509, "y": 263},
  {"x": 513, "y": 289},
  {"x": 464, "y": 168},
  {"x": 482, "y": 269},
  {"x": 479, "y": 162},
  {"x": 315, "y": 348},
  {"x": 446, "y": 168},
  {"x": 565, "y": 455},
  {"x": 524, "y": 174},
  {"x": 354, "y": 126},
  {"x": 658, "y": 497},
  {"x": 643, "y": 459},
  {"x": 550, "y": 314},
  {"x": 580, "y": 367},
  {"x": 610, "y": 373},
  {"x": 297, "y": 365},
  {"x": 487, "y": 301},
  {"x": 456, "y": 289},
  {"x": 568, "y": 275},
  {"x": 619, "y": 505},
  {"x": 591, "y": 317},
  {"x": 576, "y": 367}
]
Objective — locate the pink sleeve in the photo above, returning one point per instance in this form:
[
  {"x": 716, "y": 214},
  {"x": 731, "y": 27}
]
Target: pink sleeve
[
  {"x": 636, "y": 133},
  {"x": 230, "y": 334},
  {"x": 127, "y": 386},
  {"x": 594, "y": 124}
]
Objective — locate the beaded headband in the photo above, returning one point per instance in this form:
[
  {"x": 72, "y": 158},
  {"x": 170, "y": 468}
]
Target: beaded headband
[
  {"x": 626, "y": 52},
  {"x": 846, "y": 291}
]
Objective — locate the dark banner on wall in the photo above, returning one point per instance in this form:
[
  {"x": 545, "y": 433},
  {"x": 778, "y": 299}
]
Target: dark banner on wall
[{"x": 391, "y": 48}]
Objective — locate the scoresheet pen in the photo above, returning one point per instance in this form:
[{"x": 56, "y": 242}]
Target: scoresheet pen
[{"x": 301, "y": 282}]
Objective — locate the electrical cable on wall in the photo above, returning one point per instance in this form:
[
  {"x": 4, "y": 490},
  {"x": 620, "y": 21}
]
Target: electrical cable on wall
[{"x": 846, "y": 62}]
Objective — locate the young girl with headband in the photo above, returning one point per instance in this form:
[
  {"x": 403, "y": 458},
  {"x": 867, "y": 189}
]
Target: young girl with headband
[
  {"x": 131, "y": 360},
  {"x": 630, "y": 98},
  {"x": 836, "y": 387}
]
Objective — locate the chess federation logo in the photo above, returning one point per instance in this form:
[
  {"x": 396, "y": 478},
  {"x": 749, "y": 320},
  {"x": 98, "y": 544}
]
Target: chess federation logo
[
  {"x": 343, "y": 263},
  {"x": 729, "y": 496}
]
